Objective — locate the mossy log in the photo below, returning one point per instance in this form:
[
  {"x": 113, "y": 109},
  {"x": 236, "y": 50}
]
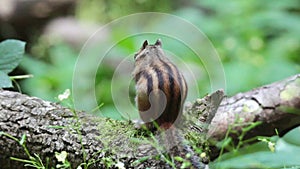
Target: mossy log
[{"x": 101, "y": 142}]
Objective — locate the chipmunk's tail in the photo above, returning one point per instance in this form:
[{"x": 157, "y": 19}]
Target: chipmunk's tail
[{"x": 173, "y": 141}]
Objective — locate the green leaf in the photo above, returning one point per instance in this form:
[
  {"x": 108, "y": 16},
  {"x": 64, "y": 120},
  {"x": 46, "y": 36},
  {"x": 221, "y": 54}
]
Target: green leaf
[
  {"x": 178, "y": 158},
  {"x": 23, "y": 139},
  {"x": 293, "y": 137},
  {"x": 4, "y": 80},
  {"x": 258, "y": 155},
  {"x": 11, "y": 52}
]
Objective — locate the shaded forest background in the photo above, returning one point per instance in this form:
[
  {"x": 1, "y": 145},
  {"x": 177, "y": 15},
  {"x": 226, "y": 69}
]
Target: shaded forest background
[{"x": 258, "y": 41}]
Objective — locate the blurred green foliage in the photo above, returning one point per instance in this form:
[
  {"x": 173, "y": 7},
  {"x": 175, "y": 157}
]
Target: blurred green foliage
[
  {"x": 52, "y": 74},
  {"x": 258, "y": 42},
  {"x": 272, "y": 152},
  {"x": 105, "y": 11}
]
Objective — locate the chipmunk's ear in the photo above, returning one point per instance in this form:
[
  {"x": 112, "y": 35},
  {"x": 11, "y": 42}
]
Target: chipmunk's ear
[
  {"x": 158, "y": 43},
  {"x": 144, "y": 45}
]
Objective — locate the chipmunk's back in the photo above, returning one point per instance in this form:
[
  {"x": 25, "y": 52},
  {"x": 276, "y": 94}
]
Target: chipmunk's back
[{"x": 160, "y": 87}]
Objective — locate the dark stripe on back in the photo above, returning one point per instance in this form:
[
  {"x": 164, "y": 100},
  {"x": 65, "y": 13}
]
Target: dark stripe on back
[
  {"x": 149, "y": 82},
  {"x": 180, "y": 81},
  {"x": 138, "y": 76},
  {"x": 160, "y": 78},
  {"x": 172, "y": 100},
  {"x": 171, "y": 81},
  {"x": 178, "y": 100}
]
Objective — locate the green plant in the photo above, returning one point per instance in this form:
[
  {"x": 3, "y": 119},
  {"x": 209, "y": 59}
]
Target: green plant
[
  {"x": 228, "y": 143},
  {"x": 36, "y": 162},
  {"x": 154, "y": 143},
  {"x": 77, "y": 126},
  {"x": 149, "y": 138},
  {"x": 107, "y": 153},
  {"x": 33, "y": 160},
  {"x": 11, "y": 54},
  {"x": 270, "y": 152}
]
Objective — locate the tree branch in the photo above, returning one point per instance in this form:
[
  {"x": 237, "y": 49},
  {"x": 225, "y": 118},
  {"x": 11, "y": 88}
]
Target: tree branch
[
  {"x": 51, "y": 128},
  {"x": 276, "y": 106}
]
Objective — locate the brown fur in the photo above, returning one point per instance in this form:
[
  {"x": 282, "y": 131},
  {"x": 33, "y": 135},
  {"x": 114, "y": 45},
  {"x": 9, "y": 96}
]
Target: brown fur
[{"x": 160, "y": 87}]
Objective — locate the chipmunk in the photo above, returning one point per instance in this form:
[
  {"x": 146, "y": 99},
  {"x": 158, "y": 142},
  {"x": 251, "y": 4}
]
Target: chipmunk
[
  {"x": 160, "y": 94},
  {"x": 160, "y": 88}
]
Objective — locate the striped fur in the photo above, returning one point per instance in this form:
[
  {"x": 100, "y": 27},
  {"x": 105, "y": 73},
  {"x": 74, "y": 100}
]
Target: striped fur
[{"x": 160, "y": 87}]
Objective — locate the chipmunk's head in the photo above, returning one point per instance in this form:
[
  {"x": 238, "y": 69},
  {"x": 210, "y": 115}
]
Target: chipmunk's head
[{"x": 148, "y": 53}]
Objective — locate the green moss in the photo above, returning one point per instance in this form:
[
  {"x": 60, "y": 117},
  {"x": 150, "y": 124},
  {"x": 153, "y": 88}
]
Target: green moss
[{"x": 291, "y": 91}]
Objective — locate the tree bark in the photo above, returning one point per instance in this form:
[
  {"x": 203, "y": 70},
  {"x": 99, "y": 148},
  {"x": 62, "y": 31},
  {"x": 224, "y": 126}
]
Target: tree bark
[
  {"x": 51, "y": 128},
  {"x": 276, "y": 106}
]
